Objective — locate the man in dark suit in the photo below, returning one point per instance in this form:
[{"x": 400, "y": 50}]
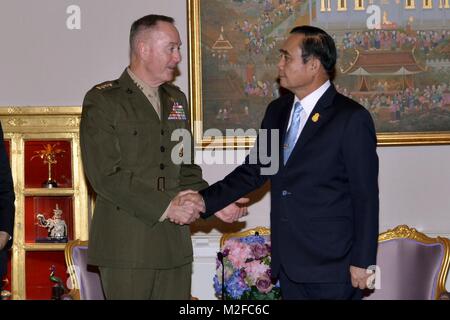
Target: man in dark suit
[
  {"x": 324, "y": 197},
  {"x": 6, "y": 208}
]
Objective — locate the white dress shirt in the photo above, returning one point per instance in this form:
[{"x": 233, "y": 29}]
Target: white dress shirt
[{"x": 308, "y": 103}]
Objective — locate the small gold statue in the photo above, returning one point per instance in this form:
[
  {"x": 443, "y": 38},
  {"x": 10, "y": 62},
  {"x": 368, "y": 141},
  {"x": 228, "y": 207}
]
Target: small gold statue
[{"x": 48, "y": 155}]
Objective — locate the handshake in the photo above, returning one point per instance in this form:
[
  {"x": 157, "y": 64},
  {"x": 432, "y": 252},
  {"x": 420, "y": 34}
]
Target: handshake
[{"x": 186, "y": 207}]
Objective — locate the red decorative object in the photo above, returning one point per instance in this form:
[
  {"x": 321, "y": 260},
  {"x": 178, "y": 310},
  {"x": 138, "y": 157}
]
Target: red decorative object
[
  {"x": 37, "y": 170},
  {"x": 37, "y": 269}
]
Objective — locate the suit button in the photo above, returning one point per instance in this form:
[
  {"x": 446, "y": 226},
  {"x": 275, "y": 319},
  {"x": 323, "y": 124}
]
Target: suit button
[
  {"x": 135, "y": 133},
  {"x": 162, "y": 149},
  {"x": 118, "y": 208},
  {"x": 162, "y": 132},
  {"x": 161, "y": 166}
]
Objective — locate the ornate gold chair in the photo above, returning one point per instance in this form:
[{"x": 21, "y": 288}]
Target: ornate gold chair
[
  {"x": 412, "y": 266},
  {"x": 262, "y": 231},
  {"x": 85, "y": 279}
]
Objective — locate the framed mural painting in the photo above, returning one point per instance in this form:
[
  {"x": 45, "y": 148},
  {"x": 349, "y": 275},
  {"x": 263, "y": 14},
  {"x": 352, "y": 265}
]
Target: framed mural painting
[{"x": 393, "y": 58}]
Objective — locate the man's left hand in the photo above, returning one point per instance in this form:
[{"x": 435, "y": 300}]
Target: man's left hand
[
  {"x": 4, "y": 238},
  {"x": 359, "y": 277}
]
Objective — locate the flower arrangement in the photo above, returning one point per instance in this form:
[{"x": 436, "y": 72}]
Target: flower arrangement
[{"x": 244, "y": 264}]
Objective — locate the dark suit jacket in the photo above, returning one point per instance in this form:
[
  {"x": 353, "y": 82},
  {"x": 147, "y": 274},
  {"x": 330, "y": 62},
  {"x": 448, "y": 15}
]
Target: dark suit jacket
[
  {"x": 324, "y": 202},
  {"x": 6, "y": 202}
]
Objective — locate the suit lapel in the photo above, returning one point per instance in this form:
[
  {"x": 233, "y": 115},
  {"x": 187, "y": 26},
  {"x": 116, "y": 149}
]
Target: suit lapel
[{"x": 320, "y": 115}]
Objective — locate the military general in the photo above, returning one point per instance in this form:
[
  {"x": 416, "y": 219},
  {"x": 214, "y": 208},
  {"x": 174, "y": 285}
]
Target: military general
[{"x": 140, "y": 236}]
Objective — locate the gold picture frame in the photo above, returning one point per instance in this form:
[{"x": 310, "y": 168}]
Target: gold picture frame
[{"x": 198, "y": 89}]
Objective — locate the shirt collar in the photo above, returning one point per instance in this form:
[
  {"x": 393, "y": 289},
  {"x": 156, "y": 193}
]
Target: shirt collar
[
  {"x": 142, "y": 85},
  {"x": 309, "y": 102}
]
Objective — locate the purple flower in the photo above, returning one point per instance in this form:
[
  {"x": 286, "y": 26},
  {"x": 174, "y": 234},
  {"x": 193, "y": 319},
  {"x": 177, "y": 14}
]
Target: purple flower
[
  {"x": 264, "y": 284},
  {"x": 259, "y": 251}
]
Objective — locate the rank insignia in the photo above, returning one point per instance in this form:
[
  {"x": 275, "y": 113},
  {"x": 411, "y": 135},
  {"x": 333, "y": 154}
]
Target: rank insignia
[
  {"x": 104, "y": 86},
  {"x": 177, "y": 112}
]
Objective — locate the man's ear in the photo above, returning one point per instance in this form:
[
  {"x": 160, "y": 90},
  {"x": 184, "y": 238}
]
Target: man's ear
[
  {"x": 315, "y": 65},
  {"x": 143, "y": 50}
]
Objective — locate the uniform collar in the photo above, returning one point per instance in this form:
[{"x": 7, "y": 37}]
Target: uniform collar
[{"x": 144, "y": 87}]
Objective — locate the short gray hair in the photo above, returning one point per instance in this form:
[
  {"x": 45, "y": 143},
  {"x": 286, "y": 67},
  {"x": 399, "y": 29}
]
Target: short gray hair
[{"x": 146, "y": 23}]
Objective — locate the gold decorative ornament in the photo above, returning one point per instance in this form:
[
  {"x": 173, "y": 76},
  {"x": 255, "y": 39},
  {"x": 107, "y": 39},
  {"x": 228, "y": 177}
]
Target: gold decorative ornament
[
  {"x": 48, "y": 155},
  {"x": 316, "y": 117}
]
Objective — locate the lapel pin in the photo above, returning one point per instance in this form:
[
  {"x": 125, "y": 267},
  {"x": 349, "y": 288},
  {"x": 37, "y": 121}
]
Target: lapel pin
[{"x": 316, "y": 117}]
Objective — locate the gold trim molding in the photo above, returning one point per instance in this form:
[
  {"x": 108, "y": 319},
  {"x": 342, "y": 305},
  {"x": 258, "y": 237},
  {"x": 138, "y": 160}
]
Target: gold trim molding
[{"x": 40, "y": 119}]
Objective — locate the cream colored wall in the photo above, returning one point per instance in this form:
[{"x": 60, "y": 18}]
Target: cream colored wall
[{"x": 44, "y": 63}]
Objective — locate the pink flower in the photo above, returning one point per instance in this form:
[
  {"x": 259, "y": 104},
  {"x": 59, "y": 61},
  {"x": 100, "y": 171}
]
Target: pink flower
[
  {"x": 238, "y": 254},
  {"x": 255, "y": 269}
]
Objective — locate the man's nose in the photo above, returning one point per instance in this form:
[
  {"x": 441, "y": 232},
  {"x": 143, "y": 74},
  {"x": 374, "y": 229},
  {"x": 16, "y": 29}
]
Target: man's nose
[
  {"x": 280, "y": 64},
  {"x": 177, "y": 57}
]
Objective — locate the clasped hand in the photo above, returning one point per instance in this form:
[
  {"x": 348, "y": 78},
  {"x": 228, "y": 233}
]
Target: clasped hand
[{"x": 186, "y": 207}]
